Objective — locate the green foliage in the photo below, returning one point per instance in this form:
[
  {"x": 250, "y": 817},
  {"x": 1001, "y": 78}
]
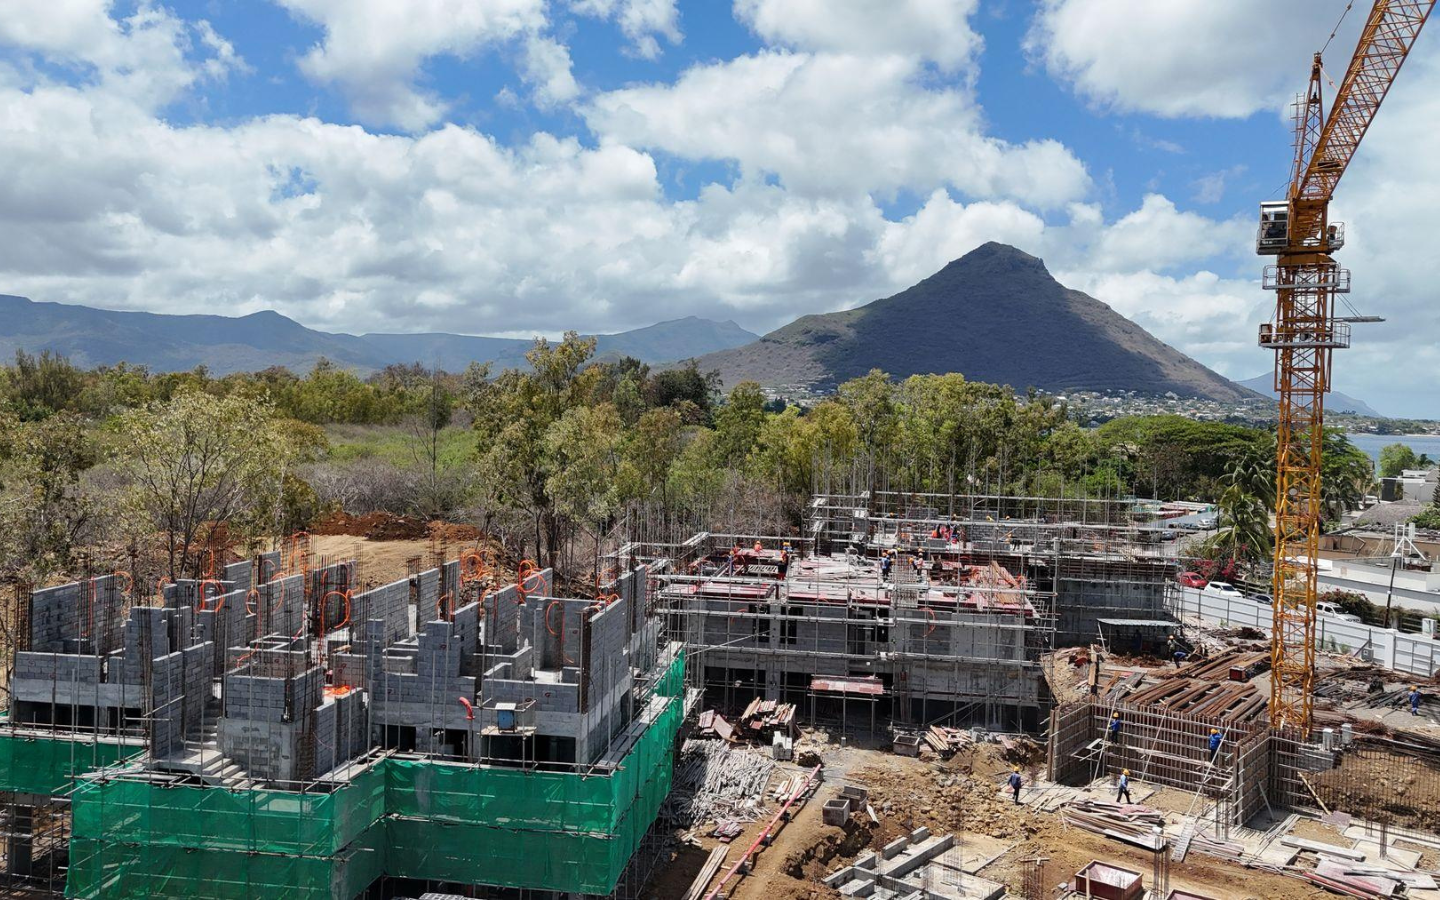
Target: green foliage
[
  {"x": 1355, "y": 604},
  {"x": 40, "y": 386},
  {"x": 1395, "y": 458},
  {"x": 1428, "y": 518},
  {"x": 45, "y": 507},
  {"x": 200, "y": 459}
]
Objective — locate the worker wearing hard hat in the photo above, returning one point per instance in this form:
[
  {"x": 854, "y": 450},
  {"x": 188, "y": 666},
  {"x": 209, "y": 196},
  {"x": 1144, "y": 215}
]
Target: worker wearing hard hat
[
  {"x": 1114, "y": 727},
  {"x": 1414, "y": 699},
  {"x": 1124, "y": 787},
  {"x": 1016, "y": 782},
  {"x": 1217, "y": 738}
]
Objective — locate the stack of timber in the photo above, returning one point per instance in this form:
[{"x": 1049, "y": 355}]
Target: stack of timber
[
  {"x": 1232, "y": 665},
  {"x": 707, "y": 873},
  {"x": 946, "y": 741},
  {"x": 764, "y": 717},
  {"x": 1223, "y": 701},
  {"x": 1128, "y": 822}
]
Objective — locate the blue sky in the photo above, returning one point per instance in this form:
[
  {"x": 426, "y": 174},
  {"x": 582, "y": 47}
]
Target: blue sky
[{"x": 527, "y": 166}]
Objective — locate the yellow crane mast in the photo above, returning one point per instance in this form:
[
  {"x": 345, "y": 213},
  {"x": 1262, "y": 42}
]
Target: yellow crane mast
[{"x": 1305, "y": 330}]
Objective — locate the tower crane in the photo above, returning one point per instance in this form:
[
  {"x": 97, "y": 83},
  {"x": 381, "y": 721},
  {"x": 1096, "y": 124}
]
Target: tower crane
[{"x": 1305, "y": 330}]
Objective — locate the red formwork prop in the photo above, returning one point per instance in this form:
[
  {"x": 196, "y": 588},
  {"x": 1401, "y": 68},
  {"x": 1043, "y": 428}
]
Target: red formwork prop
[{"x": 1103, "y": 881}]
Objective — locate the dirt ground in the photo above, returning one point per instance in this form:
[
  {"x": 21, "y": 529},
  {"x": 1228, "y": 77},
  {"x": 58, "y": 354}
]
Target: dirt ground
[
  {"x": 962, "y": 796},
  {"x": 384, "y": 561}
]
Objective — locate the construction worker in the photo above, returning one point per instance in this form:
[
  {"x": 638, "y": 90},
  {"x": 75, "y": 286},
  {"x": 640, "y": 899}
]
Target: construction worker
[
  {"x": 1124, "y": 787},
  {"x": 885, "y": 563},
  {"x": 759, "y": 547},
  {"x": 1217, "y": 738},
  {"x": 1414, "y": 699},
  {"x": 1114, "y": 727},
  {"x": 784, "y": 564},
  {"x": 1179, "y": 657},
  {"x": 1171, "y": 645},
  {"x": 1016, "y": 782}
]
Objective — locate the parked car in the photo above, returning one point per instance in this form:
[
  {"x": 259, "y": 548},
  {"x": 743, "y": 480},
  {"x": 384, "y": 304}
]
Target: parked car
[
  {"x": 1207, "y": 522},
  {"x": 1263, "y": 599},
  {"x": 1191, "y": 579},
  {"x": 1326, "y": 608},
  {"x": 1224, "y": 590}
]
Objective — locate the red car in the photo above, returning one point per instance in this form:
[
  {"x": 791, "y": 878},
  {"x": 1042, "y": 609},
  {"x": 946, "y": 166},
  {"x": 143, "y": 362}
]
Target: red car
[{"x": 1191, "y": 580}]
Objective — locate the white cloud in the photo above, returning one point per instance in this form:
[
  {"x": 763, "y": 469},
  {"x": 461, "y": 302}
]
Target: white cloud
[
  {"x": 547, "y": 67},
  {"x": 146, "y": 58},
  {"x": 1206, "y": 316},
  {"x": 934, "y": 30},
  {"x": 107, "y": 203},
  {"x": 943, "y": 230},
  {"x": 642, "y": 21},
  {"x": 1160, "y": 236},
  {"x": 836, "y": 124},
  {"x": 373, "y": 49},
  {"x": 1187, "y": 57}
]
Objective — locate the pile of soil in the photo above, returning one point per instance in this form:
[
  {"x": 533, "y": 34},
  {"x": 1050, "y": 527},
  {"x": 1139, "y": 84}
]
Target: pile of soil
[{"x": 376, "y": 526}]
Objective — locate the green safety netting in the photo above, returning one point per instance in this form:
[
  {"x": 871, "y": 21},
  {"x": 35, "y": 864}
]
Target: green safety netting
[
  {"x": 403, "y": 818},
  {"x": 122, "y": 870},
  {"x": 256, "y": 821},
  {"x": 50, "y": 765}
]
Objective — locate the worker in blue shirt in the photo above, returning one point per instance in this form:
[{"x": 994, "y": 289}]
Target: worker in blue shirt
[
  {"x": 885, "y": 565},
  {"x": 1415, "y": 700},
  {"x": 1114, "y": 727},
  {"x": 1015, "y": 783},
  {"x": 1216, "y": 739},
  {"x": 1180, "y": 657},
  {"x": 1124, "y": 787}
]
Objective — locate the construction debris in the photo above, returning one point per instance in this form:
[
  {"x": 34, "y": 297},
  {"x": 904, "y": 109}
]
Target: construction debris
[{"x": 716, "y": 782}]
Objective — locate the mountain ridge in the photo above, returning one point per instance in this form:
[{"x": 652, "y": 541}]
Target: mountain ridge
[
  {"x": 90, "y": 336},
  {"x": 1335, "y": 401}
]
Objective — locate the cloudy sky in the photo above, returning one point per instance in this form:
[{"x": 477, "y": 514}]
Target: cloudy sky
[{"x": 527, "y": 166}]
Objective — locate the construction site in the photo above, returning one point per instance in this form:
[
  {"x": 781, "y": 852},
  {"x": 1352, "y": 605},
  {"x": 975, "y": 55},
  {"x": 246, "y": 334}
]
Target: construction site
[
  {"x": 895, "y": 694},
  {"x": 836, "y": 712}
]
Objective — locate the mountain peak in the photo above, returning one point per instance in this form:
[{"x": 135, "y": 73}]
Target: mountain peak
[
  {"x": 995, "y": 257},
  {"x": 995, "y": 314}
]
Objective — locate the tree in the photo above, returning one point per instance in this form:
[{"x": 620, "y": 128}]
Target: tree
[
  {"x": 199, "y": 460},
  {"x": 738, "y": 423},
  {"x": 514, "y": 416},
  {"x": 1395, "y": 458},
  {"x": 1244, "y": 517},
  {"x": 651, "y": 449},
  {"x": 40, "y": 386},
  {"x": 583, "y": 451},
  {"x": 44, "y": 506}
]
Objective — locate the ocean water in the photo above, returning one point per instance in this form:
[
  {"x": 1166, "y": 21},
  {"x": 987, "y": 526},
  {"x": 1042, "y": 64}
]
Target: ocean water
[{"x": 1421, "y": 443}]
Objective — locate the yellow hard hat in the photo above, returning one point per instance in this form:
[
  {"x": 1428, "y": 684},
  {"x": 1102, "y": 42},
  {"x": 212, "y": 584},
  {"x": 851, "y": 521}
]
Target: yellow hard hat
[
  {"x": 1124, "y": 771},
  {"x": 1214, "y": 731},
  {"x": 1115, "y": 715},
  {"x": 1017, "y": 768}
]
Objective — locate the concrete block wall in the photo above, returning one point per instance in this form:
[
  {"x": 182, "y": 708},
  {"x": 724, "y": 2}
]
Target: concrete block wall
[
  {"x": 85, "y": 616},
  {"x": 389, "y": 605},
  {"x": 223, "y": 623},
  {"x": 167, "y": 718},
  {"x": 255, "y": 697}
]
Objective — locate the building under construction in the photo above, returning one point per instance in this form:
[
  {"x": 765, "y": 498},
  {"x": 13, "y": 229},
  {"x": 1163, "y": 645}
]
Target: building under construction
[
  {"x": 277, "y": 728},
  {"x": 912, "y": 608}
]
